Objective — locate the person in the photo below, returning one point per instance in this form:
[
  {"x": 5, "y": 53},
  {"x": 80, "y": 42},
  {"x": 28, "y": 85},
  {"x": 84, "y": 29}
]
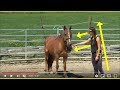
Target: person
[{"x": 96, "y": 51}]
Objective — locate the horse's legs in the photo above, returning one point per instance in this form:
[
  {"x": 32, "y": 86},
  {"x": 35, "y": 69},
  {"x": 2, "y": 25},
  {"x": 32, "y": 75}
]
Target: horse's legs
[
  {"x": 46, "y": 63},
  {"x": 64, "y": 66},
  {"x": 46, "y": 60},
  {"x": 50, "y": 66},
  {"x": 57, "y": 65},
  {"x": 57, "y": 62}
]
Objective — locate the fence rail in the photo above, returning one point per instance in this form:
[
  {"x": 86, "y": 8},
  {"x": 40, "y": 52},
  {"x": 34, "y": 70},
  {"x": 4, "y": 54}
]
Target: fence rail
[{"x": 27, "y": 52}]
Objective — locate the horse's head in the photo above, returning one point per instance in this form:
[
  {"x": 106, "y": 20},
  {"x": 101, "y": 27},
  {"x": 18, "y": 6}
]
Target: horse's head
[{"x": 67, "y": 34}]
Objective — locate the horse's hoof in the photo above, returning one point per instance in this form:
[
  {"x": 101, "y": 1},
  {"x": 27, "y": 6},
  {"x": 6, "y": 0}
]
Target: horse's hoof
[
  {"x": 45, "y": 70},
  {"x": 54, "y": 73},
  {"x": 51, "y": 72},
  {"x": 65, "y": 76}
]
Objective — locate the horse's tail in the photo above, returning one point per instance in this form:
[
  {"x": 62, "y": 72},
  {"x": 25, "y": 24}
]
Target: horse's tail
[{"x": 50, "y": 60}]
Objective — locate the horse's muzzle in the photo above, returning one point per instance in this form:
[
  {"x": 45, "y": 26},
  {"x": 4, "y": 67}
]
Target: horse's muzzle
[{"x": 69, "y": 47}]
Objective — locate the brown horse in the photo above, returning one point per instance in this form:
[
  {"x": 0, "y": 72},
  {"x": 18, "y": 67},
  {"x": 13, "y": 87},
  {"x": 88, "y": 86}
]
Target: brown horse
[{"x": 56, "y": 47}]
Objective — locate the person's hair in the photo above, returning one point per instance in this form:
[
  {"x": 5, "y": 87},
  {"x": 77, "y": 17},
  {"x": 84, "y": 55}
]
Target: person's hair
[{"x": 92, "y": 29}]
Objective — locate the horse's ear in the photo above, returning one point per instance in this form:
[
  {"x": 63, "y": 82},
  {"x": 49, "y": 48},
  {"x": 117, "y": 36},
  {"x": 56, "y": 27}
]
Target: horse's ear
[
  {"x": 64, "y": 27},
  {"x": 70, "y": 31},
  {"x": 70, "y": 27}
]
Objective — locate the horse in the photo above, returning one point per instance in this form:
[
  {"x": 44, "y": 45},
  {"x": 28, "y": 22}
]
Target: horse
[{"x": 56, "y": 47}]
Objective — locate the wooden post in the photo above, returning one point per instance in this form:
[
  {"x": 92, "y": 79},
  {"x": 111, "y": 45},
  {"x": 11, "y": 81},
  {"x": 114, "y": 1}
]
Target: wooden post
[
  {"x": 42, "y": 26},
  {"x": 89, "y": 22}
]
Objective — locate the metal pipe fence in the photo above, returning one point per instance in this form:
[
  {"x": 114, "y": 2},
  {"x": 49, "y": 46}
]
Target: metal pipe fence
[{"x": 27, "y": 50}]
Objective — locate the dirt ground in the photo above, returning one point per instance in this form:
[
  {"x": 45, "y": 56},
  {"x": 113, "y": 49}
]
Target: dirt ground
[{"x": 75, "y": 69}]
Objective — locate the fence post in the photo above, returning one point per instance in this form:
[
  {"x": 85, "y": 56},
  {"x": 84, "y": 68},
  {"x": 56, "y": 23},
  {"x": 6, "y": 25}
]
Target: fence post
[
  {"x": 25, "y": 43},
  {"x": 58, "y": 31}
]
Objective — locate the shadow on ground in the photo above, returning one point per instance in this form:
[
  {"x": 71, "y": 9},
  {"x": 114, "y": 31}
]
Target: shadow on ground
[
  {"x": 70, "y": 75},
  {"x": 60, "y": 74}
]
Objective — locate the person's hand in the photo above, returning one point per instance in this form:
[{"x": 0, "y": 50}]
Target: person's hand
[{"x": 96, "y": 58}]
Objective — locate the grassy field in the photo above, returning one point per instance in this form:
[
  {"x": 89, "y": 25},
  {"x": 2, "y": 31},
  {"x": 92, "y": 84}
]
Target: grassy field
[{"x": 22, "y": 20}]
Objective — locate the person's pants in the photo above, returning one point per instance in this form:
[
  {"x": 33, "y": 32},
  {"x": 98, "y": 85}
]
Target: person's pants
[{"x": 97, "y": 65}]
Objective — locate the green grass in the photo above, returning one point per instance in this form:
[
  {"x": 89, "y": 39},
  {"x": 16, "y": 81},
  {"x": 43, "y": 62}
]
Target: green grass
[
  {"x": 33, "y": 20},
  {"x": 26, "y": 20}
]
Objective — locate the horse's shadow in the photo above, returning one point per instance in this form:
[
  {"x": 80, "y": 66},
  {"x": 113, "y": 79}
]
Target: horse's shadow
[{"x": 70, "y": 75}]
